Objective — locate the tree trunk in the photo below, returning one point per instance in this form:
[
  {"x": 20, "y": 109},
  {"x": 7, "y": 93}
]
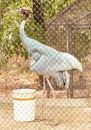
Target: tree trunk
[{"x": 38, "y": 12}]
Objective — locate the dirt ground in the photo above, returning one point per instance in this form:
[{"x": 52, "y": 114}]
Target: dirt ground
[{"x": 70, "y": 114}]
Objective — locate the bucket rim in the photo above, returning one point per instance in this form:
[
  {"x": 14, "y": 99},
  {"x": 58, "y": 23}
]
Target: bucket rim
[{"x": 26, "y": 90}]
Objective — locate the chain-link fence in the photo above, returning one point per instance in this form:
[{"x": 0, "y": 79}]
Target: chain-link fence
[
  {"x": 42, "y": 86},
  {"x": 71, "y": 29}
]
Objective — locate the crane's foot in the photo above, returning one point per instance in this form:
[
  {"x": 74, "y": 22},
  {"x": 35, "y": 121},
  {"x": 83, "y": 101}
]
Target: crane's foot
[
  {"x": 51, "y": 123},
  {"x": 38, "y": 120}
]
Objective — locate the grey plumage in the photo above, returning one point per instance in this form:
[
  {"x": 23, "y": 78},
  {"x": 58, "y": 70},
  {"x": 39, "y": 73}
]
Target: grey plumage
[{"x": 47, "y": 61}]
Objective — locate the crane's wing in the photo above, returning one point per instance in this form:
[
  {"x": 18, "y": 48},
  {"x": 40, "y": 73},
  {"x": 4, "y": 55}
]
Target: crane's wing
[
  {"x": 54, "y": 60},
  {"x": 41, "y": 65},
  {"x": 50, "y": 64}
]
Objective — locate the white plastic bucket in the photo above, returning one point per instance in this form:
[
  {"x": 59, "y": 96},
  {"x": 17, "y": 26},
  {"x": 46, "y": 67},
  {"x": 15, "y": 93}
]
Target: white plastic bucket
[{"x": 24, "y": 104}]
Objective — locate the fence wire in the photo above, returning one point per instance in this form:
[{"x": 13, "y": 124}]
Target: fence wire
[{"x": 62, "y": 100}]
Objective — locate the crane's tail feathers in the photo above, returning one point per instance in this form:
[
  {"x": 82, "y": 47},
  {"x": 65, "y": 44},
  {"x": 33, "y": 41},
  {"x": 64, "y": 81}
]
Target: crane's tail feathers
[
  {"x": 80, "y": 68},
  {"x": 15, "y": 11},
  {"x": 76, "y": 63},
  {"x": 62, "y": 79},
  {"x": 59, "y": 79}
]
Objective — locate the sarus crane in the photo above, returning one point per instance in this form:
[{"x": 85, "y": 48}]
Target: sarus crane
[{"x": 47, "y": 61}]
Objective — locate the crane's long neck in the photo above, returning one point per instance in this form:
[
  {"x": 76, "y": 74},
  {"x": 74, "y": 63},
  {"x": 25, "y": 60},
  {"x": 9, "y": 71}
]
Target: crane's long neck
[{"x": 23, "y": 35}]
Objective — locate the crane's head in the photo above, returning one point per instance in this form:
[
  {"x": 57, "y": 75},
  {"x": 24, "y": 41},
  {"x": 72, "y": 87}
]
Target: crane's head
[{"x": 24, "y": 11}]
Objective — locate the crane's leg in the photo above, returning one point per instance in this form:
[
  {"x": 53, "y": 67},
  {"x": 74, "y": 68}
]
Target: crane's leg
[
  {"x": 43, "y": 103},
  {"x": 54, "y": 96},
  {"x": 44, "y": 87},
  {"x": 53, "y": 92}
]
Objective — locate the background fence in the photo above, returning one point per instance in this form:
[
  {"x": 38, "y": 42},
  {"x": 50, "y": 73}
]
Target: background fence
[{"x": 71, "y": 30}]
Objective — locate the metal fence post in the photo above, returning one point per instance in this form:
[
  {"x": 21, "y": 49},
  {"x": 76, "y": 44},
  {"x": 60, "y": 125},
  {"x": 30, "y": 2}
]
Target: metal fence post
[{"x": 70, "y": 50}]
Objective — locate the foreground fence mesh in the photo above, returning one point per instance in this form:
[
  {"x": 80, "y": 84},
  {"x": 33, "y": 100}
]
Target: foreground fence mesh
[{"x": 61, "y": 96}]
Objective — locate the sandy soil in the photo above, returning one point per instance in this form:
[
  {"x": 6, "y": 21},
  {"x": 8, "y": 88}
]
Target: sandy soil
[{"x": 70, "y": 114}]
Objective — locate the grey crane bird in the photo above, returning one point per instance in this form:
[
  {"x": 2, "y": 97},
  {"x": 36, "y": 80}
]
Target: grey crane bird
[{"x": 47, "y": 61}]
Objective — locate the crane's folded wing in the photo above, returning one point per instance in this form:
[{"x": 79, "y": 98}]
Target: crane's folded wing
[{"x": 63, "y": 61}]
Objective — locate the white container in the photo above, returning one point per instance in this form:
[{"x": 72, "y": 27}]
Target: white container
[{"x": 24, "y": 104}]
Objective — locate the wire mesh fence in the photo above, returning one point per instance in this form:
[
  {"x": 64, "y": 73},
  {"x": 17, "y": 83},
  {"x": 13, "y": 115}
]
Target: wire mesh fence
[{"x": 38, "y": 58}]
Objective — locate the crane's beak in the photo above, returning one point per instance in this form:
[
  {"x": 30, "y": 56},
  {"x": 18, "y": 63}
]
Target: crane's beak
[
  {"x": 16, "y": 11},
  {"x": 23, "y": 11}
]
